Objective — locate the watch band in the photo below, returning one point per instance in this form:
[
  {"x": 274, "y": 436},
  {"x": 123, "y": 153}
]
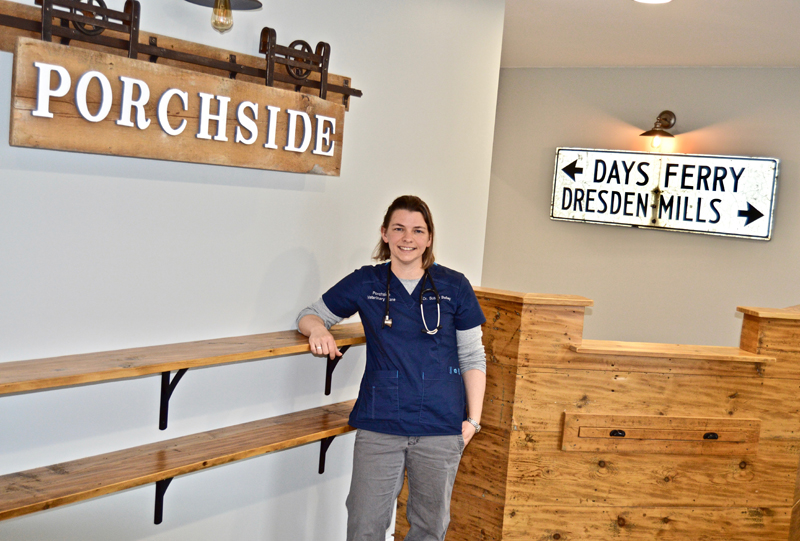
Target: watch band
[{"x": 474, "y": 423}]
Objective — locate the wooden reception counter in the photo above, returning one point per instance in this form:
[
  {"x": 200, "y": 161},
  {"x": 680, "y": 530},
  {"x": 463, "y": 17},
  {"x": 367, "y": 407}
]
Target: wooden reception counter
[{"x": 596, "y": 440}]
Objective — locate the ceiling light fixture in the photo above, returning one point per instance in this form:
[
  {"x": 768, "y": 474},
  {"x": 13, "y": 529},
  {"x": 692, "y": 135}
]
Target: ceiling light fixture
[
  {"x": 222, "y": 15},
  {"x": 665, "y": 121},
  {"x": 653, "y": 1}
]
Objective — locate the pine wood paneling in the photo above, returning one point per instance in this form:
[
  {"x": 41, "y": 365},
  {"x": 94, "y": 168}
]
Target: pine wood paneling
[
  {"x": 645, "y": 523},
  {"x": 542, "y": 474},
  {"x": 604, "y": 494},
  {"x": 543, "y": 397}
]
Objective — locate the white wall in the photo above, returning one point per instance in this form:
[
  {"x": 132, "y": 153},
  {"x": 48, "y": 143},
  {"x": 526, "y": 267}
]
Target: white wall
[
  {"x": 647, "y": 285},
  {"x": 100, "y": 253}
]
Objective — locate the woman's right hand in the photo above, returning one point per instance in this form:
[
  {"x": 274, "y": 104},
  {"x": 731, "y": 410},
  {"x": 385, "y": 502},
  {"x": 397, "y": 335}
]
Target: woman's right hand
[{"x": 320, "y": 339}]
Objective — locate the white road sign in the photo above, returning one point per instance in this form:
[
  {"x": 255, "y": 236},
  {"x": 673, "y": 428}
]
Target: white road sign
[{"x": 714, "y": 195}]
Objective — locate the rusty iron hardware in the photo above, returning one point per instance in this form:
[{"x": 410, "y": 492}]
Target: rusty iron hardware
[
  {"x": 299, "y": 62},
  {"x": 232, "y": 59},
  {"x": 153, "y": 43},
  {"x": 88, "y": 29},
  {"x": 89, "y": 23}
]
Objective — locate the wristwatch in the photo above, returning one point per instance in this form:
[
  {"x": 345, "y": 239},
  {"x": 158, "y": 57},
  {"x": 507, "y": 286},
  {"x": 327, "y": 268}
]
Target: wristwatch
[{"x": 474, "y": 423}]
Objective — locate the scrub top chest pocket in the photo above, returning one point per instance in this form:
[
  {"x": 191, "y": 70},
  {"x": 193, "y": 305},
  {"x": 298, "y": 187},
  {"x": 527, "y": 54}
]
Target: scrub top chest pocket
[{"x": 380, "y": 396}]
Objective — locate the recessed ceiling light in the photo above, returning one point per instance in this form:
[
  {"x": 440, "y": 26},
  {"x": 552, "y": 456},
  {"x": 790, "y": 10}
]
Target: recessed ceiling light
[{"x": 653, "y": 1}]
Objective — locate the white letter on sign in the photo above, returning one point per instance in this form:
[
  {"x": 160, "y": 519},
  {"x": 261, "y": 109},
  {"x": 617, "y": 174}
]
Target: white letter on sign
[
  {"x": 247, "y": 122},
  {"x": 205, "y": 116},
  {"x": 324, "y": 135},
  {"x": 163, "y": 109},
  {"x": 290, "y": 138},
  {"x": 127, "y": 103},
  {"x": 272, "y": 126},
  {"x": 105, "y": 96},
  {"x": 44, "y": 92}
]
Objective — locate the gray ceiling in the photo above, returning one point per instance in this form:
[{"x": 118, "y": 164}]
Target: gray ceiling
[{"x": 572, "y": 33}]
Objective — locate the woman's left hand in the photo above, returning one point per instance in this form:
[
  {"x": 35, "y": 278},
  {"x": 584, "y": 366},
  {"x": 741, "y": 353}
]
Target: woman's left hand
[{"x": 467, "y": 431}]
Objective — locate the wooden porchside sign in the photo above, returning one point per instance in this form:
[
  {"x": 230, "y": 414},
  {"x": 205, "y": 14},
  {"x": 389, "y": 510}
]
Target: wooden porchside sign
[{"x": 74, "y": 99}]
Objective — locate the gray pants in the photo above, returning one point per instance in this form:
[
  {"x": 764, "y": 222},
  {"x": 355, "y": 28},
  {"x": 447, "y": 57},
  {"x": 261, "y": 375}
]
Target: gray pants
[{"x": 379, "y": 461}]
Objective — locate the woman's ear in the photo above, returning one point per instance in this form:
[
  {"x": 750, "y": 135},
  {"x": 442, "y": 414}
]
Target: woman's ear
[{"x": 383, "y": 235}]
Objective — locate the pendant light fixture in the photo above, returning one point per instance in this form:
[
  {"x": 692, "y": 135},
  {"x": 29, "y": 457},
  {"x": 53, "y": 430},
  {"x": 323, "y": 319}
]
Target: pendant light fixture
[
  {"x": 222, "y": 12},
  {"x": 665, "y": 120}
]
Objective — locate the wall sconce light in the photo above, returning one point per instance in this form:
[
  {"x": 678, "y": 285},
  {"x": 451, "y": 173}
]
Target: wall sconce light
[
  {"x": 222, "y": 15},
  {"x": 665, "y": 121}
]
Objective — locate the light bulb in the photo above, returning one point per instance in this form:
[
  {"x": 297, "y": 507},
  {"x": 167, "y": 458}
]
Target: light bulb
[
  {"x": 222, "y": 16},
  {"x": 656, "y": 143}
]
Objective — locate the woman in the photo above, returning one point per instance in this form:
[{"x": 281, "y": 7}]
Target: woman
[{"x": 425, "y": 360}]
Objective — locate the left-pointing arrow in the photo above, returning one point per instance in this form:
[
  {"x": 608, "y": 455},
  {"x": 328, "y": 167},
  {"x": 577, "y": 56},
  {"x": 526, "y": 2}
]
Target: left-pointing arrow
[
  {"x": 572, "y": 170},
  {"x": 752, "y": 214}
]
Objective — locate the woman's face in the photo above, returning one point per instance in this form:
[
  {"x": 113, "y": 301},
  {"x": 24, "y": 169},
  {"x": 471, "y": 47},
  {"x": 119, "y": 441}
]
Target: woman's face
[{"x": 407, "y": 237}]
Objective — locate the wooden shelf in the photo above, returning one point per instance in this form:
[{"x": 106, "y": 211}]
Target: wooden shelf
[
  {"x": 533, "y": 298},
  {"x": 34, "y": 490},
  {"x": 792, "y": 313},
  {"x": 671, "y": 351},
  {"x": 19, "y": 376}
]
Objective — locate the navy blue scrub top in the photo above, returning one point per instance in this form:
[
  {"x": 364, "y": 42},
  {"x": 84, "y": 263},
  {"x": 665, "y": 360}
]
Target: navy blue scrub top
[{"x": 412, "y": 384}]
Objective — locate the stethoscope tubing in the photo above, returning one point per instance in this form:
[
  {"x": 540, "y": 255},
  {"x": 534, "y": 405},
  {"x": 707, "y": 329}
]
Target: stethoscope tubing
[{"x": 387, "y": 320}]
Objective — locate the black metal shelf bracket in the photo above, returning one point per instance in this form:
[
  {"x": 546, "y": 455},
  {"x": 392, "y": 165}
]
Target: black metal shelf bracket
[
  {"x": 163, "y": 485},
  {"x": 323, "y": 450},
  {"x": 331, "y": 367},
  {"x": 167, "y": 388},
  {"x": 161, "y": 488}
]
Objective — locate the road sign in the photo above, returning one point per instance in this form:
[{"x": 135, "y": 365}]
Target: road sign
[{"x": 714, "y": 195}]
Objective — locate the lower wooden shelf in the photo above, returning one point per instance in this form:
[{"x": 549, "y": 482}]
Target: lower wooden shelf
[{"x": 34, "y": 490}]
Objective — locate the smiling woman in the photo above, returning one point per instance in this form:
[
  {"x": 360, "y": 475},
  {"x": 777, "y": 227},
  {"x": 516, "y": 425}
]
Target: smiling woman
[
  {"x": 407, "y": 237},
  {"x": 421, "y": 396}
]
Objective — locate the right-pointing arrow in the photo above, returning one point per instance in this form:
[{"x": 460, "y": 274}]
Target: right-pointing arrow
[{"x": 752, "y": 214}]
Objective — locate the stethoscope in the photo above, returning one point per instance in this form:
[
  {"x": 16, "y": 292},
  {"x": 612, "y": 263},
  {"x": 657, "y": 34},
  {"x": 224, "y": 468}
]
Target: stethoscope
[{"x": 387, "y": 321}]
